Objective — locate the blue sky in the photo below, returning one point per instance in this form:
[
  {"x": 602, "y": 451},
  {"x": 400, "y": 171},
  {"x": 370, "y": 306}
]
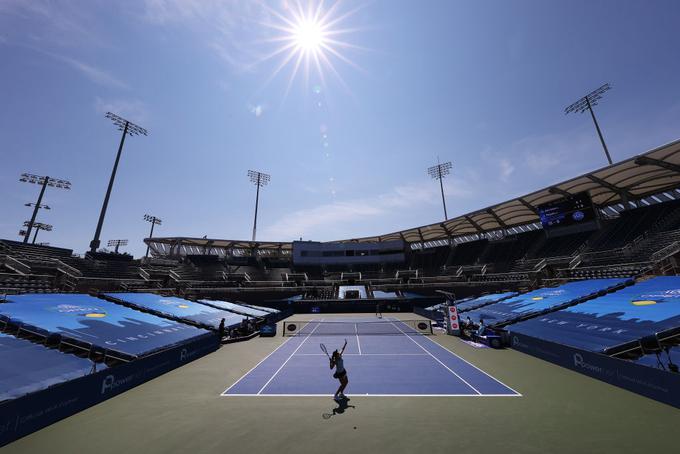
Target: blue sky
[{"x": 480, "y": 83}]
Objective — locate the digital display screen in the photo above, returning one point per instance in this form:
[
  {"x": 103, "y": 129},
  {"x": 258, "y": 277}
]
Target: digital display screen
[{"x": 577, "y": 209}]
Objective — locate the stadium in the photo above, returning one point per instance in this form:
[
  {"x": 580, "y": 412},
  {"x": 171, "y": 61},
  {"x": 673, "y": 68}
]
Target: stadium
[{"x": 544, "y": 322}]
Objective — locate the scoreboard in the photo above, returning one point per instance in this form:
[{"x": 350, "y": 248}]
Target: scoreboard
[{"x": 577, "y": 209}]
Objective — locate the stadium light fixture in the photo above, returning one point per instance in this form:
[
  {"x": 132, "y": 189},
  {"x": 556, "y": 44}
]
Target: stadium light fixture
[
  {"x": 38, "y": 226},
  {"x": 259, "y": 179},
  {"x": 154, "y": 221},
  {"x": 128, "y": 128},
  {"x": 438, "y": 172},
  {"x": 43, "y": 181},
  {"x": 116, "y": 244},
  {"x": 587, "y": 103}
]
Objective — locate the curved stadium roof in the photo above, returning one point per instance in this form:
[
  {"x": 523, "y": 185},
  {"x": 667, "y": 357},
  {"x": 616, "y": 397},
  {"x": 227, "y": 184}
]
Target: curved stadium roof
[{"x": 643, "y": 175}]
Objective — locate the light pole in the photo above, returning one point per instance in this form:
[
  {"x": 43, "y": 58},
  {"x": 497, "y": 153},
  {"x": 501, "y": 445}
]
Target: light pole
[
  {"x": 438, "y": 172},
  {"x": 38, "y": 226},
  {"x": 117, "y": 244},
  {"x": 43, "y": 181},
  {"x": 154, "y": 221},
  {"x": 128, "y": 128},
  {"x": 260, "y": 180},
  {"x": 587, "y": 103}
]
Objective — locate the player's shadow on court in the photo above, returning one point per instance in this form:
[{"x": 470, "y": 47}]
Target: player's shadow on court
[{"x": 339, "y": 410}]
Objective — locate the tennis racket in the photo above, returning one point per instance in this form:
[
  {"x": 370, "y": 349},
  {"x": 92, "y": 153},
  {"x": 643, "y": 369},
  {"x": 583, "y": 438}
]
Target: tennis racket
[{"x": 323, "y": 349}]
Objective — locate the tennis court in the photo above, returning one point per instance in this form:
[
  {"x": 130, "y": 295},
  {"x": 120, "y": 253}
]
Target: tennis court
[{"x": 386, "y": 357}]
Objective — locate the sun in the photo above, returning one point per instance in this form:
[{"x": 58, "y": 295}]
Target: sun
[
  {"x": 309, "y": 40},
  {"x": 309, "y": 36}
]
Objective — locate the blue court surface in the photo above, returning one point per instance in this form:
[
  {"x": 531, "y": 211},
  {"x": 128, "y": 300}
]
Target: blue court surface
[{"x": 402, "y": 363}]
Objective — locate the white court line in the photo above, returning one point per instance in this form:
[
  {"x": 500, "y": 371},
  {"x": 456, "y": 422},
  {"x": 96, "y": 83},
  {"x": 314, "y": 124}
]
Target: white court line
[
  {"x": 371, "y": 395},
  {"x": 470, "y": 364},
  {"x": 291, "y": 355},
  {"x": 255, "y": 366},
  {"x": 366, "y": 354},
  {"x": 436, "y": 359},
  {"x": 356, "y": 332}
]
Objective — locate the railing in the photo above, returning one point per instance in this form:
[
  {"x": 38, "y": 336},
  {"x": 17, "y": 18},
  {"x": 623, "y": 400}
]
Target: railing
[
  {"x": 145, "y": 274},
  {"x": 67, "y": 269},
  {"x": 16, "y": 266},
  {"x": 173, "y": 274},
  {"x": 665, "y": 252},
  {"x": 540, "y": 265},
  {"x": 576, "y": 261}
]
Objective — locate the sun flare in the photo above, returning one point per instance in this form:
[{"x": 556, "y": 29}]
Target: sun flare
[
  {"x": 309, "y": 40},
  {"x": 309, "y": 36}
]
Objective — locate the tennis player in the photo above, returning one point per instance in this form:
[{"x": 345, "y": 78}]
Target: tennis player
[{"x": 340, "y": 373}]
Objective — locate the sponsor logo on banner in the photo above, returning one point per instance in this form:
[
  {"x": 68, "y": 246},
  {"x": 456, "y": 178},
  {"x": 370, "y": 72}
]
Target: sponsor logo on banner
[
  {"x": 580, "y": 362},
  {"x": 452, "y": 326}
]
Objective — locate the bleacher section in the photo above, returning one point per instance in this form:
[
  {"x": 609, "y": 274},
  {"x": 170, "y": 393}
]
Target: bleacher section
[
  {"x": 541, "y": 301},
  {"x": 614, "y": 323},
  {"x": 26, "y": 367},
  {"x": 485, "y": 300},
  {"x": 176, "y": 309},
  {"x": 93, "y": 327},
  {"x": 236, "y": 308}
]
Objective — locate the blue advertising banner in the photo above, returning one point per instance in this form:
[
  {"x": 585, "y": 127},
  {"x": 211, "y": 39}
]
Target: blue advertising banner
[
  {"x": 22, "y": 416},
  {"x": 177, "y": 308},
  {"x": 653, "y": 383},
  {"x": 474, "y": 303},
  {"x": 26, "y": 367},
  {"x": 227, "y": 306},
  {"x": 93, "y": 321},
  {"x": 540, "y": 300},
  {"x": 268, "y": 330},
  {"x": 614, "y": 320}
]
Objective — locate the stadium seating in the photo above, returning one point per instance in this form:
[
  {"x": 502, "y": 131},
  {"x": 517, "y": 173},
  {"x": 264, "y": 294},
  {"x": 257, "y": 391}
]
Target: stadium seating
[
  {"x": 235, "y": 308},
  {"x": 177, "y": 309},
  {"x": 92, "y": 326},
  {"x": 26, "y": 367},
  {"x": 541, "y": 301},
  {"x": 485, "y": 300},
  {"x": 613, "y": 323}
]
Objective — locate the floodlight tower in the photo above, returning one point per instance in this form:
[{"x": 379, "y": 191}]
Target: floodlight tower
[
  {"x": 38, "y": 226},
  {"x": 128, "y": 128},
  {"x": 43, "y": 181},
  {"x": 154, "y": 221},
  {"x": 117, "y": 244},
  {"x": 439, "y": 172},
  {"x": 259, "y": 179},
  {"x": 587, "y": 103}
]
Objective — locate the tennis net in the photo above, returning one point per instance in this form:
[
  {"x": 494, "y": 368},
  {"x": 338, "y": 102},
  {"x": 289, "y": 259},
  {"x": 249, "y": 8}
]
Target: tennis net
[{"x": 330, "y": 328}]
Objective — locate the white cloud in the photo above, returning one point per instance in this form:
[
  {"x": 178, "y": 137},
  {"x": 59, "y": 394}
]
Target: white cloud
[
  {"x": 256, "y": 110},
  {"x": 501, "y": 161},
  {"x": 132, "y": 109},
  {"x": 223, "y": 24},
  {"x": 49, "y": 24},
  {"x": 96, "y": 75},
  {"x": 335, "y": 219}
]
